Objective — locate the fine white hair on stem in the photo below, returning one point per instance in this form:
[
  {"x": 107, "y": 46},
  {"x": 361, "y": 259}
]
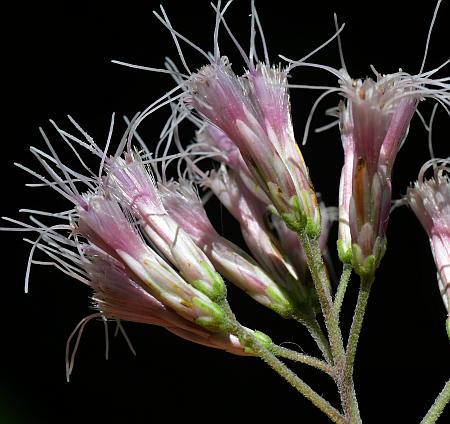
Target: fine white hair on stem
[
  {"x": 430, "y": 131},
  {"x": 255, "y": 16},
  {"x": 191, "y": 164},
  {"x": 77, "y": 331},
  {"x": 341, "y": 52},
  {"x": 136, "y": 135},
  {"x": 43, "y": 231},
  {"x": 149, "y": 68},
  {"x": 326, "y": 127},
  {"x": 105, "y": 152},
  {"x": 64, "y": 193},
  {"x": 61, "y": 215},
  {"x": 60, "y": 164},
  {"x": 175, "y": 39},
  {"x": 66, "y": 140},
  {"x": 157, "y": 104},
  {"x": 170, "y": 65},
  {"x": 252, "y": 51},
  {"x": 77, "y": 177},
  {"x": 234, "y": 40},
  {"x": 427, "y": 44},
  {"x": 119, "y": 327},
  {"x": 35, "y": 244},
  {"x": 105, "y": 326},
  {"x": 91, "y": 146},
  {"x": 313, "y": 109},
  {"x": 216, "y": 31},
  {"x": 301, "y": 62},
  {"x": 176, "y": 35},
  {"x": 438, "y": 164}
]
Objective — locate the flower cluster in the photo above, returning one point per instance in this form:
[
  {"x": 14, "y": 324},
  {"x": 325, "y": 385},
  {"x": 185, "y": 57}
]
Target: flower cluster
[{"x": 145, "y": 244}]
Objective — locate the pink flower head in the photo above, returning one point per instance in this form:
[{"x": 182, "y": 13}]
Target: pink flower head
[
  {"x": 374, "y": 121},
  {"x": 105, "y": 225},
  {"x": 118, "y": 297},
  {"x": 186, "y": 208},
  {"x": 129, "y": 181},
  {"x": 253, "y": 111},
  {"x": 430, "y": 201},
  {"x": 250, "y": 212}
]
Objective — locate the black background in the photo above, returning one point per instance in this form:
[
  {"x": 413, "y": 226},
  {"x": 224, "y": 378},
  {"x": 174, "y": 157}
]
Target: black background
[{"x": 58, "y": 63}]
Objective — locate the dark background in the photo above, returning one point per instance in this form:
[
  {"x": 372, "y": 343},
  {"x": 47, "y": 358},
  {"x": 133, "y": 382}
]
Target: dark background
[{"x": 58, "y": 63}]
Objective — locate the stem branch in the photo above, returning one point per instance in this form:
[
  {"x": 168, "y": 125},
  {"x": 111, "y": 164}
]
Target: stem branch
[
  {"x": 283, "y": 352},
  {"x": 318, "y": 335},
  {"x": 438, "y": 406},
  {"x": 342, "y": 288}
]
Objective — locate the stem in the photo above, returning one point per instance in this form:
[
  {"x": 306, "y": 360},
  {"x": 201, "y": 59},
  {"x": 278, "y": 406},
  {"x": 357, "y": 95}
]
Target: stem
[
  {"x": 355, "y": 329},
  {"x": 352, "y": 343},
  {"x": 342, "y": 288},
  {"x": 250, "y": 341},
  {"x": 318, "y": 335},
  {"x": 438, "y": 406},
  {"x": 283, "y": 352},
  {"x": 322, "y": 286}
]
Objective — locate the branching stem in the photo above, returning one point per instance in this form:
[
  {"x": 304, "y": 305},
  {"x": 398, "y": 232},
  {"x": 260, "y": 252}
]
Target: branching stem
[{"x": 251, "y": 342}]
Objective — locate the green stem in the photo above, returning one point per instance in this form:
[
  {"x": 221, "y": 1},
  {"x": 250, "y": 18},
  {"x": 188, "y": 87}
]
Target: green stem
[
  {"x": 250, "y": 341},
  {"x": 318, "y": 335},
  {"x": 342, "y": 288},
  {"x": 358, "y": 318},
  {"x": 322, "y": 286},
  {"x": 352, "y": 344},
  {"x": 438, "y": 406},
  {"x": 283, "y": 352}
]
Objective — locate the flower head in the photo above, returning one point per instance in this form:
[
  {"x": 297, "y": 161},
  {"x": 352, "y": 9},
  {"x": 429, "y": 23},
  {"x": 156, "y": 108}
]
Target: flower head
[
  {"x": 104, "y": 224},
  {"x": 251, "y": 213},
  {"x": 186, "y": 208},
  {"x": 374, "y": 121},
  {"x": 129, "y": 181},
  {"x": 253, "y": 111},
  {"x": 430, "y": 202}
]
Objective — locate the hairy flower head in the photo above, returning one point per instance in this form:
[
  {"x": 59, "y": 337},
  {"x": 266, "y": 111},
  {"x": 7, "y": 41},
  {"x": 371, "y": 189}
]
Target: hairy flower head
[{"x": 429, "y": 199}]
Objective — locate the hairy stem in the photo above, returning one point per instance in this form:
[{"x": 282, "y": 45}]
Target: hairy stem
[
  {"x": 352, "y": 344},
  {"x": 438, "y": 406},
  {"x": 283, "y": 352},
  {"x": 355, "y": 329},
  {"x": 318, "y": 335},
  {"x": 322, "y": 285},
  {"x": 342, "y": 288},
  {"x": 250, "y": 341}
]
